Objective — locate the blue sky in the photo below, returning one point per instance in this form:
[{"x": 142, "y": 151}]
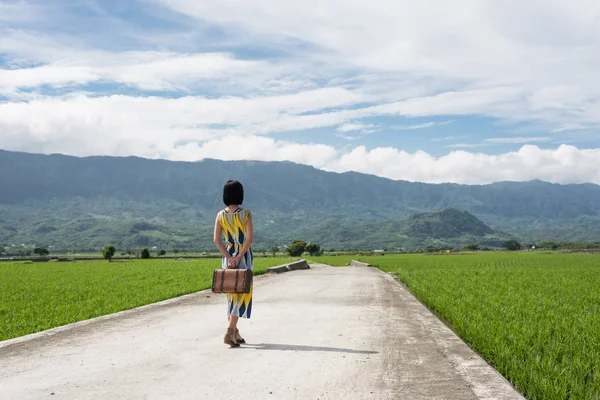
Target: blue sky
[{"x": 469, "y": 92}]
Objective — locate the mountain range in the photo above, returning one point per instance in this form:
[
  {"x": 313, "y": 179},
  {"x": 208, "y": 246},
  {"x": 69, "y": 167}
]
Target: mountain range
[{"x": 73, "y": 202}]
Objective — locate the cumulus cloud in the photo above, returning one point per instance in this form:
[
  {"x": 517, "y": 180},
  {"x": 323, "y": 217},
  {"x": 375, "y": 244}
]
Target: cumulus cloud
[
  {"x": 119, "y": 125},
  {"x": 278, "y": 67},
  {"x": 566, "y": 164},
  {"x": 258, "y": 148},
  {"x": 47, "y": 119},
  {"x": 193, "y": 128}
]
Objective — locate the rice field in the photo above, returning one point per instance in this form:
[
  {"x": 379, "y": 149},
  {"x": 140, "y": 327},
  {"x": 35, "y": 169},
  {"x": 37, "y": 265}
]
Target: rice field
[
  {"x": 39, "y": 296},
  {"x": 534, "y": 317}
]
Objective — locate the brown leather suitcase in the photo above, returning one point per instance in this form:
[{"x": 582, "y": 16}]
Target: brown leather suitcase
[{"x": 232, "y": 280}]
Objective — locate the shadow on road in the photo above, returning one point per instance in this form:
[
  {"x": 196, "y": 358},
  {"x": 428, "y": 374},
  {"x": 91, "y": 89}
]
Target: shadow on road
[{"x": 291, "y": 347}]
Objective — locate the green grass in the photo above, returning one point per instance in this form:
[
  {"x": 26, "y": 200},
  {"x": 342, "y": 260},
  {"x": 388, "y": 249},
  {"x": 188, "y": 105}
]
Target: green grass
[
  {"x": 534, "y": 317},
  {"x": 40, "y": 296}
]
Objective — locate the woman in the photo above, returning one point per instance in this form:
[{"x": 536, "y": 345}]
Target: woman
[{"x": 235, "y": 225}]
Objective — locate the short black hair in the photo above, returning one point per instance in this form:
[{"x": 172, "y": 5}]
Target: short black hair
[{"x": 233, "y": 193}]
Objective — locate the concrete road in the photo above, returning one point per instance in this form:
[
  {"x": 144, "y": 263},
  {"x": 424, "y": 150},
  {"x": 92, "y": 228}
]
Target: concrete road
[{"x": 323, "y": 333}]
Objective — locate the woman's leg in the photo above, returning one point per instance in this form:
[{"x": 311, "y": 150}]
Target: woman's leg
[
  {"x": 230, "y": 335},
  {"x": 231, "y": 318},
  {"x": 233, "y": 321}
]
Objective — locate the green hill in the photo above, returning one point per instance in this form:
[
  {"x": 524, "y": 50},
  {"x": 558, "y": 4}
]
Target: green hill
[
  {"x": 87, "y": 202},
  {"x": 443, "y": 228},
  {"x": 443, "y": 224}
]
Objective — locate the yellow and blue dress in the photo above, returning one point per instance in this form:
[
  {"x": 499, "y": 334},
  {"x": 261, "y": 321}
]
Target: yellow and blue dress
[{"x": 233, "y": 226}]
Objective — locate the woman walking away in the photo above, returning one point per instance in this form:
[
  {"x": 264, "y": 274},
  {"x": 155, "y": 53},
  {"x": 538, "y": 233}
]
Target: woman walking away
[{"x": 235, "y": 225}]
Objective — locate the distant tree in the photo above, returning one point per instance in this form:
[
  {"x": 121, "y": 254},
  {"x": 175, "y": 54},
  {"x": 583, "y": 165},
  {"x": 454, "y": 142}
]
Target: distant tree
[
  {"x": 2, "y": 250},
  {"x": 162, "y": 253},
  {"x": 175, "y": 251},
  {"x": 512, "y": 245},
  {"x": 296, "y": 248},
  {"x": 274, "y": 250},
  {"x": 550, "y": 245},
  {"x": 41, "y": 251},
  {"x": 313, "y": 249},
  {"x": 472, "y": 247},
  {"x": 109, "y": 252},
  {"x": 145, "y": 253}
]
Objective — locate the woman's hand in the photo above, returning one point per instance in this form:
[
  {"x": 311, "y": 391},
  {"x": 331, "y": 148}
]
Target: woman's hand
[
  {"x": 238, "y": 260},
  {"x": 232, "y": 262}
]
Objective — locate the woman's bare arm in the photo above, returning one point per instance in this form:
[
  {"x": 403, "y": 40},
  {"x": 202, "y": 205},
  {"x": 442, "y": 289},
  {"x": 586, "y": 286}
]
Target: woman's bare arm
[
  {"x": 217, "y": 239},
  {"x": 248, "y": 237}
]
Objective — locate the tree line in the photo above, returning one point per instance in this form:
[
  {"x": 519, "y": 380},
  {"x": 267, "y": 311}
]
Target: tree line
[{"x": 299, "y": 247}]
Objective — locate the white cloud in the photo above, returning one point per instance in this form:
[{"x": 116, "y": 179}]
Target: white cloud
[
  {"x": 336, "y": 64},
  {"x": 446, "y": 138},
  {"x": 78, "y": 121},
  {"x": 501, "y": 140},
  {"x": 253, "y": 148},
  {"x": 196, "y": 127},
  {"x": 518, "y": 140},
  {"x": 37, "y": 59},
  {"x": 355, "y": 127},
  {"x": 462, "y": 59},
  {"x": 85, "y": 125},
  {"x": 466, "y": 145},
  {"x": 37, "y": 47},
  {"x": 12, "y": 80},
  {"x": 156, "y": 71},
  {"x": 445, "y": 46},
  {"x": 18, "y": 11},
  {"x": 566, "y": 164},
  {"x": 418, "y": 126},
  {"x": 193, "y": 128},
  {"x": 424, "y": 125},
  {"x": 349, "y": 137}
]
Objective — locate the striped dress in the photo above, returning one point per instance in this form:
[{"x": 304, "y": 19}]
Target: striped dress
[{"x": 233, "y": 226}]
